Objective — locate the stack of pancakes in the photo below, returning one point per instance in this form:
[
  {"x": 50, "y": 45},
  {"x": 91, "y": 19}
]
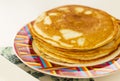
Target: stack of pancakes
[{"x": 75, "y": 35}]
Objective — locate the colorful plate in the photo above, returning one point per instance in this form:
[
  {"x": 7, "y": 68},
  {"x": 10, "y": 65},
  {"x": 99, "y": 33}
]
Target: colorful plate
[{"x": 26, "y": 54}]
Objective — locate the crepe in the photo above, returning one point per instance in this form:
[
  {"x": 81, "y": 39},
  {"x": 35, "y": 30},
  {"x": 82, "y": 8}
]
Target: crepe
[
  {"x": 82, "y": 55},
  {"x": 75, "y": 62},
  {"x": 71, "y": 28},
  {"x": 75, "y": 35}
]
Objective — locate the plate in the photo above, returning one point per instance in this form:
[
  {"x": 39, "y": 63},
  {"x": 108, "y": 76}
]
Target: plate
[{"x": 25, "y": 52}]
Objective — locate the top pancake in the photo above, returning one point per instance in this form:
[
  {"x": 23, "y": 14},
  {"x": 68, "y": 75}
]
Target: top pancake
[{"x": 75, "y": 27}]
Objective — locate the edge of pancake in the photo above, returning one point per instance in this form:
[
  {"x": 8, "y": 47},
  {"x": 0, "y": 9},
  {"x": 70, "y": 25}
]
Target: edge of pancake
[
  {"x": 81, "y": 63},
  {"x": 83, "y": 55}
]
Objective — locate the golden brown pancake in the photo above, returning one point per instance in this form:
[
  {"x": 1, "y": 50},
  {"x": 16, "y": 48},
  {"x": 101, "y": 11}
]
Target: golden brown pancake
[
  {"x": 74, "y": 62},
  {"x": 75, "y": 35},
  {"x": 82, "y": 55},
  {"x": 75, "y": 27}
]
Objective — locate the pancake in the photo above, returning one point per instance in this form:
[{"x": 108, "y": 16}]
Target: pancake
[
  {"x": 82, "y": 55},
  {"x": 75, "y": 35},
  {"x": 75, "y": 27},
  {"x": 73, "y": 62}
]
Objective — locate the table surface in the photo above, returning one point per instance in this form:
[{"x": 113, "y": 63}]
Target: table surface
[{"x": 14, "y": 14}]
